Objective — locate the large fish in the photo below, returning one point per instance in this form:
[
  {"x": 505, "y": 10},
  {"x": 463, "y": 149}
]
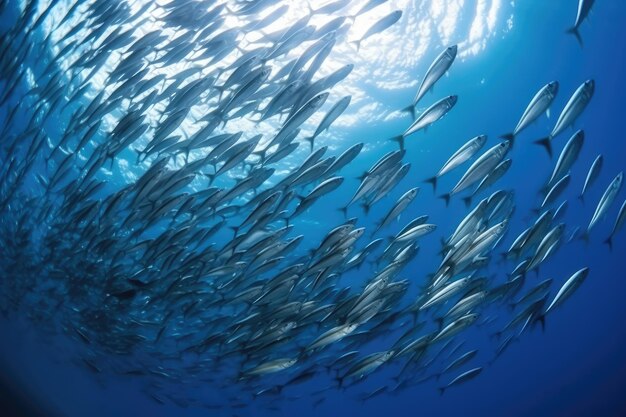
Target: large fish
[
  {"x": 437, "y": 69},
  {"x": 428, "y": 117},
  {"x": 574, "y": 107},
  {"x": 464, "y": 153},
  {"x": 479, "y": 169},
  {"x": 539, "y": 104}
]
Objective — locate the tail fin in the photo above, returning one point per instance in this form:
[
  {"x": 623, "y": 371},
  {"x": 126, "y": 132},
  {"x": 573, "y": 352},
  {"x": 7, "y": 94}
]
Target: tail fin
[
  {"x": 609, "y": 241},
  {"x": 546, "y": 143},
  {"x": 433, "y": 181},
  {"x": 221, "y": 90},
  {"x": 509, "y": 136},
  {"x": 344, "y": 210},
  {"x": 311, "y": 140},
  {"x": 366, "y": 208},
  {"x": 400, "y": 140},
  {"x": 585, "y": 237},
  {"x": 574, "y": 31},
  {"x": 357, "y": 44},
  {"x": 581, "y": 198},
  {"x": 409, "y": 109},
  {"x": 467, "y": 201},
  {"x": 442, "y": 390},
  {"x": 446, "y": 198}
]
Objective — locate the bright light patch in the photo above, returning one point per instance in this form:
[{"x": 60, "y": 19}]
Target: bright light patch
[{"x": 395, "y": 59}]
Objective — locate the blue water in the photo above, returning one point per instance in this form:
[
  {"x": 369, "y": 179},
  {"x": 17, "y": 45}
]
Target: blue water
[{"x": 575, "y": 367}]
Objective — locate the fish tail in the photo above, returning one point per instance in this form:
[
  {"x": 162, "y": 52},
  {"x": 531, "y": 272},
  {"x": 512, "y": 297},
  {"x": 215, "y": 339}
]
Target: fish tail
[
  {"x": 585, "y": 237},
  {"x": 400, "y": 140},
  {"x": 442, "y": 390},
  {"x": 609, "y": 242},
  {"x": 311, "y": 140},
  {"x": 357, "y": 44},
  {"x": 221, "y": 90},
  {"x": 582, "y": 199},
  {"x": 409, "y": 109},
  {"x": 542, "y": 319},
  {"x": 439, "y": 322},
  {"x": 366, "y": 208},
  {"x": 446, "y": 198},
  {"x": 509, "y": 136},
  {"x": 467, "y": 201},
  {"x": 433, "y": 181},
  {"x": 211, "y": 178},
  {"x": 344, "y": 210},
  {"x": 546, "y": 143},
  {"x": 574, "y": 31}
]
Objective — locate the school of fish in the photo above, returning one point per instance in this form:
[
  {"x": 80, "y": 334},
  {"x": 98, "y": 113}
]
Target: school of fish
[{"x": 190, "y": 270}]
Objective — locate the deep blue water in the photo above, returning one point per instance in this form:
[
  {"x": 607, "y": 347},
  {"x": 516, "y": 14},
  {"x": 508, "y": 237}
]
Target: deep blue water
[{"x": 575, "y": 367}]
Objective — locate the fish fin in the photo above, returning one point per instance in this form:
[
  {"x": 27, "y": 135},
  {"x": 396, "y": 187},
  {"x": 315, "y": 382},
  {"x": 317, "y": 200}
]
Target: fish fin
[
  {"x": 582, "y": 199},
  {"x": 311, "y": 140},
  {"x": 221, "y": 90},
  {"x": 211, "y": 178},
  {"x": 574, "y": 31},
  {"x": 542, "y": 319},
  {"x": 609, "y": 242},
  {"x": 344, "y": 210},
  {"x": 357, "y": 44},
  {"x": 261, "y": 154},
  {"x": 509, "y": 136},
  {"x": 362, "y": 176},
  {"x": 546, "y": 143},
  {"x": 442, "y": 390},
  {"x": 433, "y": 181},
  {"x": 366, "y": 208},
  {"x": 409, "y": 109},
  {"x": 439, "y": 322},
  {"x": 446, "y": 198},
  {"x": 400, "y": 140},
  {"x": 585, "y": 237},
  {"x": 467, "y": 201}
]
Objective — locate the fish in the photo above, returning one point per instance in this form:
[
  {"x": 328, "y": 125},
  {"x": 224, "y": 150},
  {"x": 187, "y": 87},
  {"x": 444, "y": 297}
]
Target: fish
[
  {"x": 568, "y": 156},
  {"x": 605, "y": 203},
  {"x": 380, "y": 26},
  {"x": 584, "y": 7},
  {"x": 619, "y": 222},
  {"x": 436, "y": 70},
  {"x": 464, "y": 153},
  {"x": 399, "y": 206},
  {"x": 592, "y": 175},
  {"x": 479, "y": 169},
  {"x": 330, "y": 117},
  {"x": 568, "y": 288},
  {"x": 538, "y": 105},
  {"x": 465, "y": 376},
  {"x": 427, "y": 118},
  {"x": 574, "y": 107},
  {"x": 491, "y": 178}
]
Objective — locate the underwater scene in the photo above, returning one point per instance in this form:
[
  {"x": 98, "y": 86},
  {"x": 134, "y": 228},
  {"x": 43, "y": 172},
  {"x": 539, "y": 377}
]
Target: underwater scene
[{"x": 314, "y": 208}]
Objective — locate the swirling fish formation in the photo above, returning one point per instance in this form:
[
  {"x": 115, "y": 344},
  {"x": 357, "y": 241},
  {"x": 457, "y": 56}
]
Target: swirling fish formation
[{"x": 190, "y": 269}]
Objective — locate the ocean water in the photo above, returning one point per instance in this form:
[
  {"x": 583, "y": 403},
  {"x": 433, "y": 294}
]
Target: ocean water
[{"x": 507, "y": 51}]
